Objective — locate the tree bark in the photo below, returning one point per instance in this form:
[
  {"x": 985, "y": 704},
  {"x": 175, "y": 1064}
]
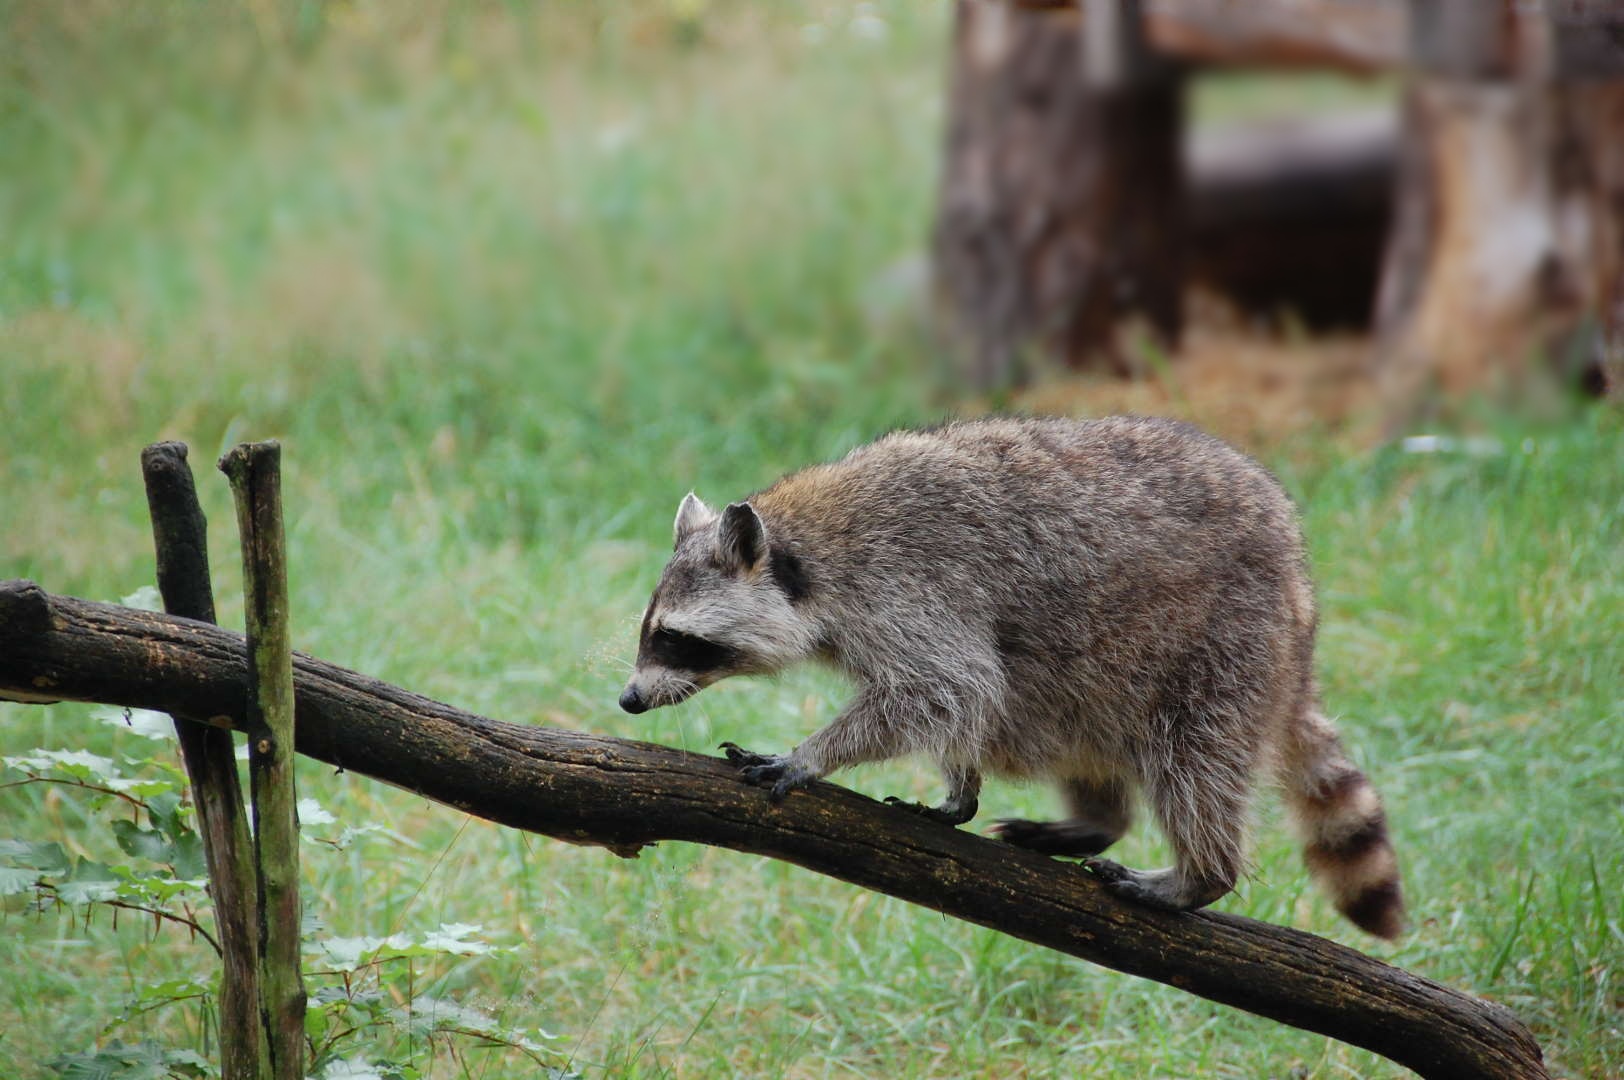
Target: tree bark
[
  {"x": 1508, "y": 238},
  {"x": 180, "y": 538},
  {"x": 255, "y": 472},
  {"x": 1059, "y": 210},
  {"x": 624, "y": 795}
]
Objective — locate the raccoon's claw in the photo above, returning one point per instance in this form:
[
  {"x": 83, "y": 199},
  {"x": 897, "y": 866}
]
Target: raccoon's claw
[
  {"x": 948, "y": 813},
  {"x": 738, "y": 755},
  {"x": 778, "y": 770},
  {"x": 1110, "y": 873},
  {"x": 1135, "y": 885}
]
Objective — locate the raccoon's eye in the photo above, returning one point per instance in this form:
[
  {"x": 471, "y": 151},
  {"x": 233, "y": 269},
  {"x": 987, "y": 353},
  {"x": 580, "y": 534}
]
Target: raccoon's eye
[{"x": 686, "y": 652}]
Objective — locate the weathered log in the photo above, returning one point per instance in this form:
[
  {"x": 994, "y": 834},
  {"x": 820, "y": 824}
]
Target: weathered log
[
  {"x": 255, "y": 472},
  {"x": 1508, "y": 236},
  {"x": 623, "y": 795},
  {"x": 1360, "y": 37},
  {"x": 1059, "y": 209},
  {"x": 180, "y": 540}
]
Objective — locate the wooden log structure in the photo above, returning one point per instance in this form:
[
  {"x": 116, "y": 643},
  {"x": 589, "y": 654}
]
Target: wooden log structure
[
  {"x": 1360, "y": 38},
  {"x": 625, "y": 795},
  {"x": 180, "y": 542},
  {"x": 1508, "y": 234},
  {"x": 1060, "y": 202},
  {"x": 1064, "y": 210}
]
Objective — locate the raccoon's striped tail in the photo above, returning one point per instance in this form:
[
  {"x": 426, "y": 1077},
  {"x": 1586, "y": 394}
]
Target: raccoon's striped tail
[{"x": 1343, "y": 827}]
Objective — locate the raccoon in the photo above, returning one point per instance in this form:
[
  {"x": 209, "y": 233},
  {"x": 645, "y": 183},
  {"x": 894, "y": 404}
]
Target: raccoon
[{"x": 1121, "y": 606}]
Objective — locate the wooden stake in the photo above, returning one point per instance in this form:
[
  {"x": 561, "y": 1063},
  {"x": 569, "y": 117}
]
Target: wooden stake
[
  {"x": 180, "y": 539},
  {"x": 255, "y": 472}
]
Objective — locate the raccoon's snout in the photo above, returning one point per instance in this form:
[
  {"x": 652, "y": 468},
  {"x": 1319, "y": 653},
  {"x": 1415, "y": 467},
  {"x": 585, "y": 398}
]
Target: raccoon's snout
[{"x": 632, "y": 701}]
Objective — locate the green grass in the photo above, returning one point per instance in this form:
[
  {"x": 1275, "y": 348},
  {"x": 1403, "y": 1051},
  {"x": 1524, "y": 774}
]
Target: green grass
[{"x": 506, "y": 285}]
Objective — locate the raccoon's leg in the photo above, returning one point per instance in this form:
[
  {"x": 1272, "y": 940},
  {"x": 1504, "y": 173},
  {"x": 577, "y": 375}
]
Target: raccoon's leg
[
  {"x": 873, "y": 727},
  {"x": 1200, "y": 798},
  {"x": 963, "y": 788},
  {"x": 1101, "y": 811}
]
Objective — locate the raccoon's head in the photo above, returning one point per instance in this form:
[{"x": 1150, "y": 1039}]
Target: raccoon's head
[{"x": 726, "y": 605}]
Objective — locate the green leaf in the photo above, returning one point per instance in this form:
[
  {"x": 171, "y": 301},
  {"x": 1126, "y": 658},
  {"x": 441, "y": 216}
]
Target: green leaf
[
  {"x": 155, "y": 889},
  {"x": 36, "y": 854},
  {"x": 142, "y": 843},
  {"x": 165, "y": 811},
  {"x": 143, "y": 787},
  {"x": 449, "y": 938},
  {"x": 77, "y": 764},
  {"x": 349, "y": 954},
  {"x": 311, "y": 812},
  {"x": 189, "y": 861},
  {"x": 356, "y": 1068},
  {"x": 143, "y": 722},
  {"x": 328, "y": 995},
  {"x": 17, "y": 880},
  {"x": 159, "y": 993},
  {"x": 190, "y": 1063},
  {"x": 140, "y": 1061},
  {"x": 89, "y": 882}
]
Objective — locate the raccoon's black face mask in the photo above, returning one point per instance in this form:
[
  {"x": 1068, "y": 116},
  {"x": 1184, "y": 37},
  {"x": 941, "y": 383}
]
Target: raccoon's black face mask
[{"x": 721, "y": 608}]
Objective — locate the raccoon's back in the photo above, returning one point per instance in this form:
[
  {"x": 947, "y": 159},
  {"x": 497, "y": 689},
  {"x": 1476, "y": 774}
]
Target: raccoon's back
[
  {"x": 1120, "y": 511},
  {"x": 1127, "y": 483}
]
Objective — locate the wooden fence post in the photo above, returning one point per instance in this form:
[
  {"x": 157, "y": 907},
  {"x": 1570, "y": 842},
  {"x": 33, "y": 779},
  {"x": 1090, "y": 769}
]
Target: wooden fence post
[
  {"x": 180, "y": 539},
  {"x": 255, "y": 472}
]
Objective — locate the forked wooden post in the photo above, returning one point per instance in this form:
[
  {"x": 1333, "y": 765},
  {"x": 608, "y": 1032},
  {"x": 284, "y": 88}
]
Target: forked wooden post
[
  {"x": 255, "y": 472},
  {"x": 180, "y": 539}
]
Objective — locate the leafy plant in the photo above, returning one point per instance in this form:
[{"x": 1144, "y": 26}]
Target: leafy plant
[
  {"x": 373, "y": 988},
  {"x": 366, "y": 1016},
  {"x": 136, "y": 1061}
]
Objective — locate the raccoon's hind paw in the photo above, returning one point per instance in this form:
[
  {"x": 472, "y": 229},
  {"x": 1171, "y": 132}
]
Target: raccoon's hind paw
[
  {"x": 1135, "y": 885},
  {"x": 778, "y": 770},
  {"x": 1164, "y": 889},
  {"x": 1052, "y": 837},
  {"x": 949, "y": 813}
]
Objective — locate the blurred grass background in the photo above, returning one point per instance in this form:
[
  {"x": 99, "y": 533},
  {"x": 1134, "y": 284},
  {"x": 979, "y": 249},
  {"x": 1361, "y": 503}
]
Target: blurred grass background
[{"x": 506, "y": 280}]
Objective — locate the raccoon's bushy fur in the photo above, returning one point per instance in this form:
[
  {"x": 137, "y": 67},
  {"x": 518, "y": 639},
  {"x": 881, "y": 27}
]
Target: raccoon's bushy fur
[{"x": 1121, "y": 606}]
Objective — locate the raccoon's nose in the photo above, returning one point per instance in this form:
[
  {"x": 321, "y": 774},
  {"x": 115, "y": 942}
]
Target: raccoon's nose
[{"x": 632, "y": 701}]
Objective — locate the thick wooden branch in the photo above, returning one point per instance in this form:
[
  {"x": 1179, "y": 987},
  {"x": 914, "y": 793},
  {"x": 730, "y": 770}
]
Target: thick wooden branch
[
  {"x": 180, "y": 538},
  {"x": 623, "y": 795}
]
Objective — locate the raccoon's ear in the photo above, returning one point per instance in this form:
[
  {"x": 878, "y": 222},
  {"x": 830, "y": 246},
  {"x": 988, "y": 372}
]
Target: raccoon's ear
[
  {"x": 742, "y": 540},
  {"x": 692, "y": 514}
]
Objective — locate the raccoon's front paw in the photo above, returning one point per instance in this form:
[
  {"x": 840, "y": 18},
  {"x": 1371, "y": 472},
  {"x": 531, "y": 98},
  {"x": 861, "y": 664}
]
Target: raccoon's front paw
[{"x": 779, "y": 771}]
